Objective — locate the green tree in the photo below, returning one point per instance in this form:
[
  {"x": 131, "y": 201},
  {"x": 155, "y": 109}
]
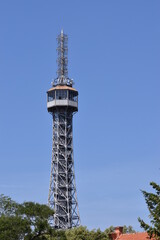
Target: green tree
[
  {"x": 128, "y": 229},
  {"x": 108, "y": 231},
  {"x": 8, "y": 207},
  {"x": 29, "y": 221},
  {"x": 153, "y": 204},
  {"x": 98, "y": 235},
  {"x": 80, "y": 233},
  {"x": 13, "y": 227}
]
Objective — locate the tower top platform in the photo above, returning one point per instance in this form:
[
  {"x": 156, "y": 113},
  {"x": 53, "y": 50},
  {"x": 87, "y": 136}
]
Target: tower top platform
[
  {"x": 62, "y": 94},
  {"x": 63, "y": 87}
]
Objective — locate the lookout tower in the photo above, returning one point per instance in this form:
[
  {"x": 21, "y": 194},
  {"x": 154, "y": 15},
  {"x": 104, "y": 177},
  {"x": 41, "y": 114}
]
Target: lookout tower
[{"x": 62, "y": 103}]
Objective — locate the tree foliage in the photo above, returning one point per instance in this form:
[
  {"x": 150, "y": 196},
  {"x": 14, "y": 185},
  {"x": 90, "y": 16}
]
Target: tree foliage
[
  {"x": 153, "y": 204},
  {"x": 82, "y": 233},
  {"x": 128, "y": 229},
  {"x": 8, "y": 207},
  {"x": 29, "y": 221}
]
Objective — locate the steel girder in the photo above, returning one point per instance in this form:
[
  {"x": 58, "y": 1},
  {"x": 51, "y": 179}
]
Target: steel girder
[{"x": 62, "y": 192}]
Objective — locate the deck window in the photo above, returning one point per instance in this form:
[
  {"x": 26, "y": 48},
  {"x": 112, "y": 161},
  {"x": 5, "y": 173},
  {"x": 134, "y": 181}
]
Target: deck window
[
  {"x": 73, "y": 96},
  {"x": 51, "y": 96},
  {"x": 61, "y": 94}
]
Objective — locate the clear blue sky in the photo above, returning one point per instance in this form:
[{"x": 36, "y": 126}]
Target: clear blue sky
[{"x": 114, "y": 59}]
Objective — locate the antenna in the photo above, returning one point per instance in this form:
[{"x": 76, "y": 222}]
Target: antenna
[{"x": 62, "y": 60}]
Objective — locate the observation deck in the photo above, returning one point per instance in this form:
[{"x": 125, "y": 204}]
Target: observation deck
[{"x": 62, "y": 96}]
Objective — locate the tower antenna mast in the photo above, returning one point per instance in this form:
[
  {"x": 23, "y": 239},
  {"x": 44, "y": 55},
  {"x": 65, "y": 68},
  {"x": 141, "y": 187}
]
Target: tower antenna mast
[{"x": 62, "y": 60}]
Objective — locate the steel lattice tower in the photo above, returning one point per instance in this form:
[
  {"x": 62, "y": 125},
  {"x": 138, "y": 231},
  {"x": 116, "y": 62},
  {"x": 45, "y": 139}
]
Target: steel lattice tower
[{"x": 62, "y": 103}]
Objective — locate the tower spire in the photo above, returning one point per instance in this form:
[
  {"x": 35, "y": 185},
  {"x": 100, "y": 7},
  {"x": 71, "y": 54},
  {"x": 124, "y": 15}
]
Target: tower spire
[{"x": 62, "y": 60}]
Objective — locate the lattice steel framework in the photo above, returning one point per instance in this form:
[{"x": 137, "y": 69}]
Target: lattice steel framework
[
  {"x": 62, "y": 59},
  {"x": 62, "y": 105}
]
